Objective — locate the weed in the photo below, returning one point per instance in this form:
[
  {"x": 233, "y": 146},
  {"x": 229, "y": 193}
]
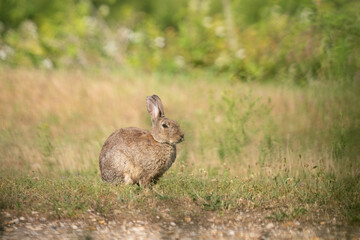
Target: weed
[
  {"x": 44, "y": 140},
  {"x": 236, "y": 122}
]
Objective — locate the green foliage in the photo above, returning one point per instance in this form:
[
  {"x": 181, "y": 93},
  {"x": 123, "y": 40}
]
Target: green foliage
[{"x": 298, "y": 41}]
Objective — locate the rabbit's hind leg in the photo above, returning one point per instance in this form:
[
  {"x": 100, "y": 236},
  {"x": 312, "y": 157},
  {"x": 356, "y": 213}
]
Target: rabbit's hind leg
[{"x": 128, "y": 179}]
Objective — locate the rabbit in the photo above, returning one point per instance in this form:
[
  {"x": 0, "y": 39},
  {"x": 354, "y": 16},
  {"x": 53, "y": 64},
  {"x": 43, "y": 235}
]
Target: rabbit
[{"x": 136, "y": 156}]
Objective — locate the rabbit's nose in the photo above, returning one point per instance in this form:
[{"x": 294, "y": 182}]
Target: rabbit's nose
[{"x": 182, "y": 136}]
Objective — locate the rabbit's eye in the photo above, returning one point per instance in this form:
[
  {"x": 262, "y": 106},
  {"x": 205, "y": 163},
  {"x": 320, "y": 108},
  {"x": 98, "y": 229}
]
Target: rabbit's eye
[{"x": 164, "y": 125}]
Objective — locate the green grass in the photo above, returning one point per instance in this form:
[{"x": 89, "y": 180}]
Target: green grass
[
  {"x": 283, "y": 198},
  {"x": 289, "y": 151}
]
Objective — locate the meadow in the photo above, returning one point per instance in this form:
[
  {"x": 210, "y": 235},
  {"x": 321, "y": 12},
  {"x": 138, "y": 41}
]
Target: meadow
[
  {"x": 266, "y": 92},
  {"x": 288, "y": 149}
]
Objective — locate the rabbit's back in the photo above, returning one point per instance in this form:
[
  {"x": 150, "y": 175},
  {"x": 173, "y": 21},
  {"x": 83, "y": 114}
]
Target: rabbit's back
[{"x": 131, "y": 155}]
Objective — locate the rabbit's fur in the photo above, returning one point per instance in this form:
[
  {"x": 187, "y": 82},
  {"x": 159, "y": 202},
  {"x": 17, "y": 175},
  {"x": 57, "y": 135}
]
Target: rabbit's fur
[{"x": 136, "y": 156}]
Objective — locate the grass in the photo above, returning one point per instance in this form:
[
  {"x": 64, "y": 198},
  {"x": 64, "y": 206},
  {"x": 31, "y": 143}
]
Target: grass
[
  {"x": 73, "y": 195},
  {"x": 288, "y": 150}
]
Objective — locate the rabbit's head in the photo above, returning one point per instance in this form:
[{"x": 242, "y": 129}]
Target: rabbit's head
[{"x": 163, "y": 130}]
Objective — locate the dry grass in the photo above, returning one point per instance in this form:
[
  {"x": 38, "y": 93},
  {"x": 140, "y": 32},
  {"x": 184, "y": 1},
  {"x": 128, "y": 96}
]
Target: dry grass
[
  {"x": 63, "y": 118},
  {"x": 54, "y": 123}
]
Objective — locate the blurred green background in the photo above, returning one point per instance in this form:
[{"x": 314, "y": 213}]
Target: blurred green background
[{"x": 297, "y": 41}]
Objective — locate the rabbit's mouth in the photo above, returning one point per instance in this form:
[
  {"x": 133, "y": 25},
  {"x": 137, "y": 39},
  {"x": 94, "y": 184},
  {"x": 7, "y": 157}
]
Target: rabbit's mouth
[
  {"x": 181, "y": 138},
  {"x": 173, "y": 142}
]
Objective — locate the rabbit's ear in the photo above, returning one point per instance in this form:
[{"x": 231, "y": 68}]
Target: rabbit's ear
[
  {"x": 159, "y": 104},
  {"x": 153, "y": 109}
]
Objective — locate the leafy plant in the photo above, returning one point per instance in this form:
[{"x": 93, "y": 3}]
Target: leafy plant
[{"x": 236, "y": 120}]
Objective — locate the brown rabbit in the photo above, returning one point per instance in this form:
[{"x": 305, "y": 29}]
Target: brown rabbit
[{"x": 136, "y": 156}]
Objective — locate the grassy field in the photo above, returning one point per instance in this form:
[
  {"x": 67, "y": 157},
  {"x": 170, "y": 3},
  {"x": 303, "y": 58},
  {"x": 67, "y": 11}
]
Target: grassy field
[{"x": 288, "y": 149}]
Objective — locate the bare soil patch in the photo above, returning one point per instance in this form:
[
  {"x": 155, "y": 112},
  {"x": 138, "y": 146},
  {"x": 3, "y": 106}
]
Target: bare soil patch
[{"x": 132, "y": 224}]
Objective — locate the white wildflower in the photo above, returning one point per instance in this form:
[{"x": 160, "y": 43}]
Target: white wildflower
[
  {"x": 222, "y": 60},
  {"x": 47, "y": 63},
  {"x": 159, "y": 42},
  {"x": 29, "y": 29},
  {"x": 91, "y": 24},
  {"x": 220, "y": 31},
  {"x": 110, "y": 48},
  {"x": 179, "y": 61},
  {"x": 240, "y": 54},
  {"x": 5, "y": 52},
  {"x": 135, "y": 37}
]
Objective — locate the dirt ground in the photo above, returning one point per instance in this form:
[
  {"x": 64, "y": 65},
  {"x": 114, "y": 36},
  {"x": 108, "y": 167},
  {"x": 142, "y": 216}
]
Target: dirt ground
[{"x": 236, "y": 225}]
